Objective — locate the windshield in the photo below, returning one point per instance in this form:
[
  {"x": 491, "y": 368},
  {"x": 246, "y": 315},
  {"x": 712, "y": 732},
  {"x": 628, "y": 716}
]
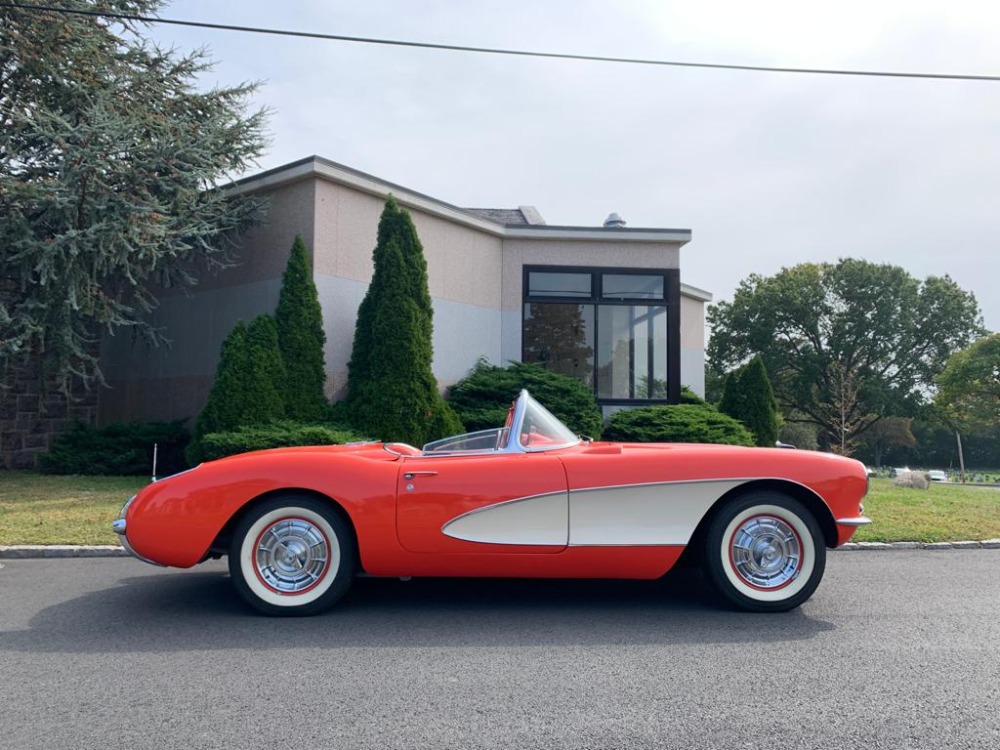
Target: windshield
[
  {"x": 529, "y": 427},
  {"x": 540, "y": 429},
  {"x": 482, "y": 441}
]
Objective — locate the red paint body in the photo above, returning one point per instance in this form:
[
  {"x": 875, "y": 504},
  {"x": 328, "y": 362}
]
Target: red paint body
[{"x": 399, "y": 529}]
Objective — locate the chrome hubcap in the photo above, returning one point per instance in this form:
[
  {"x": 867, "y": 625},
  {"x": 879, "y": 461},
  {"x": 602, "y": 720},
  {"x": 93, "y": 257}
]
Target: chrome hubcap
[
  {"x": 291, "y": 555},
  {"x": 766, "y": 552}
]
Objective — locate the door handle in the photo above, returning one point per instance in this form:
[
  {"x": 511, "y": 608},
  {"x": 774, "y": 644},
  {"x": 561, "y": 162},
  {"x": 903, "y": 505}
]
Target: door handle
[{"x": 412, "y": 474}]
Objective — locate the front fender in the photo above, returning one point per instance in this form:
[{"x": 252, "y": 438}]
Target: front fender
[{"x": 174, "y": 521}]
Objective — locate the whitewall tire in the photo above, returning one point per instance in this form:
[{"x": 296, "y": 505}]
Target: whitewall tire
[
  {"x": 765, "y": 552},
  {"x": 292, "y": 555}
]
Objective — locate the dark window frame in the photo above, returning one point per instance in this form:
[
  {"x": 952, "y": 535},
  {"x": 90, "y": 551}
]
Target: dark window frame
[{"x": 671, "y": 301}]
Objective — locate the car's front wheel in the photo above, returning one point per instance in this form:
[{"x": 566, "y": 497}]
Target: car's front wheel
[
  {"x": 292, "y": 555},
  {"x": 765, "y": 552}
]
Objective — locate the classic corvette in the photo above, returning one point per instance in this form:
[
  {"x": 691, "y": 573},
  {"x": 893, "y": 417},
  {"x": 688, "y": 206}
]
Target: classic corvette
[{"x": 528, "y": 499}]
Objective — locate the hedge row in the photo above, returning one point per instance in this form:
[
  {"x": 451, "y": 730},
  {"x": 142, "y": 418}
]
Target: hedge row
[
  {"x": 122, "y": 449},
  {"x": 683, "y": 423},
  {"x": 281, "y": 434}
]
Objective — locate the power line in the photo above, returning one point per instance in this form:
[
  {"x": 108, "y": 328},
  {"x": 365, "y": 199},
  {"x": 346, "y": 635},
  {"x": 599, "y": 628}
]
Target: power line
[{"x": 499, "y": 51}]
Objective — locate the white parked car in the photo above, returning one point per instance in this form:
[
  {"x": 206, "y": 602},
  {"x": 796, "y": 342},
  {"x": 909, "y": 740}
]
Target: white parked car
[{"x": 936, "y": 475}]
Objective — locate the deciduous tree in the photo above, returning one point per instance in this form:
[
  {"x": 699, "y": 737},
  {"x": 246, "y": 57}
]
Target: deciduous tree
[
  {"x": 889, "y": 433},
  {"x": 969, "y": 386},
  {"x": 819, "y": 326}
]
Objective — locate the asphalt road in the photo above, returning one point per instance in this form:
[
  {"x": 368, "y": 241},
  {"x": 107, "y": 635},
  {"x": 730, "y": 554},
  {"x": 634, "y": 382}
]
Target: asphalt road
[{"x": 896, "y": 650}]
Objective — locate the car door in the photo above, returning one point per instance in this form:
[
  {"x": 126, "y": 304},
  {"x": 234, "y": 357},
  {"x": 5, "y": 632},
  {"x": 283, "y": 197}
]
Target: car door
[{"x": 498, "y": 503}]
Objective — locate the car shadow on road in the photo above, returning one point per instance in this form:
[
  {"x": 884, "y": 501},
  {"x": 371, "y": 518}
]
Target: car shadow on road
[{"x": 185, "y": 611}]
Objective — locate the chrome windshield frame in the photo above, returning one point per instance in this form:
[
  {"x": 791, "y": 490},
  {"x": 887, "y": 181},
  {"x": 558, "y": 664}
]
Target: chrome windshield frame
[{"x": 511, "y": 442}]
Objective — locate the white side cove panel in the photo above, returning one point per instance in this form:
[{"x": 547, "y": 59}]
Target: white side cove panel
[
  {"x": 532, "y": 520},
  {"x": 643, "y": 514}
]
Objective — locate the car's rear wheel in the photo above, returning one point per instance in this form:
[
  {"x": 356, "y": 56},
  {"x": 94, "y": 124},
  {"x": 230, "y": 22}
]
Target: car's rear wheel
[
  {"x": 765, "y": 552},
  {"x": 292, "y": 555}
]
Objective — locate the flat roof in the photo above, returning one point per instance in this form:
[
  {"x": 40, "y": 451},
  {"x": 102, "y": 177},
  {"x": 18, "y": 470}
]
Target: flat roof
[{"x": 317, "y": 166}]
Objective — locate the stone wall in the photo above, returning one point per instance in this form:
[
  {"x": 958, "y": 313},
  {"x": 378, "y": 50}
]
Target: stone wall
[{"x": 31, "y": 420}]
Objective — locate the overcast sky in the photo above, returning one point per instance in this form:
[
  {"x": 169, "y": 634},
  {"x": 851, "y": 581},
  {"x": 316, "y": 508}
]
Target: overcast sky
[{"x": 766, "y": 169}]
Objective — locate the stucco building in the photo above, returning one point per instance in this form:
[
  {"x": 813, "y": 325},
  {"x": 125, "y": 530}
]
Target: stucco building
[{"x": 604, "y": 303}]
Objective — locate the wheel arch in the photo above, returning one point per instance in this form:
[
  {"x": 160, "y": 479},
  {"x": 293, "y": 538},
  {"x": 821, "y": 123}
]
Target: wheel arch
[
  {"x": 220, "y": 545},
  {"x": 812, "y": 501}
]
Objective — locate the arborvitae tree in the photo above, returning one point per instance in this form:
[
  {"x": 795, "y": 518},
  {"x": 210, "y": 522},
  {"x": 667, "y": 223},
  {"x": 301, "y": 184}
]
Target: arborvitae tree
[
  {"x": 266, "y": 373},
  {"x": 227, "y": 400},
  {"x": 748, "y": 397},
  {"x": 301, "y": 339},
  {"x": 762, "y": 415},
  {"x": 415, "y": 287},
  {"x": 392, "y": 392},
  {"x": 733, "y": 401}
]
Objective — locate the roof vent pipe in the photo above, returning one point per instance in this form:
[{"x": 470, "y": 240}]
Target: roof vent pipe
[{"x": 614, "y": 220}]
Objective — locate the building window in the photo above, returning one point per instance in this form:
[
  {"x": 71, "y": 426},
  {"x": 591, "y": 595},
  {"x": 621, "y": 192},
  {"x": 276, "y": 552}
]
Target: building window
[{"x": 613, "y": 329}]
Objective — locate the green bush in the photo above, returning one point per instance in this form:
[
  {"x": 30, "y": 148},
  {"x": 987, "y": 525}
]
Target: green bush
[
  {"x": 690, "y": 397},
  {"x": 683, "y": 423},
  {"x": 280, "y": 434},
  {"x": 482, "y": 398},
  {"x": 118, "y": 449}
]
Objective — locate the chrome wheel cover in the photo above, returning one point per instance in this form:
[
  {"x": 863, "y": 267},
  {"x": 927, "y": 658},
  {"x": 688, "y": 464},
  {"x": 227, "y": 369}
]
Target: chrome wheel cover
[
  {"x": 291, "y": 556},
  {"x": 766, "y": 552}
]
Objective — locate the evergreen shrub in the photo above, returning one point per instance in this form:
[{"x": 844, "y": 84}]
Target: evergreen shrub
[
  {"x": 690, "y": 397},
  {"x": 263, "y": 397},
  {"x": 683, "y": 423},
  {"x": 245, "y": 390},
  {"x": 280, "y": 434},
  {"x": 301, "y": 339},
  {"x": 482, "y": 398},
  {"x": 392, "y": 392},
  {"x": 118, "y": 449},
  {"x": 748, "y": 397}
]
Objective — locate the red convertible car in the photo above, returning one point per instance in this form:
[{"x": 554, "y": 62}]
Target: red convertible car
[{"x": 529, "y": 499}]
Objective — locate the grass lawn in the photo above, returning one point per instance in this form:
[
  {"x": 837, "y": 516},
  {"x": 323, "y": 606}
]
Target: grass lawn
[
  {"x": 39, "y": 509},
  {"x": 945, "y": 512}
]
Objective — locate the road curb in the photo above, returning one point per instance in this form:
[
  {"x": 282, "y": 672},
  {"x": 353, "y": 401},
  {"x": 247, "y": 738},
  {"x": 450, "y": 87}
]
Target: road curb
[
  {"x": 53, "y": 551},
  {"x": 38, "y": 551},
  {"x": 890, "y": 546}
]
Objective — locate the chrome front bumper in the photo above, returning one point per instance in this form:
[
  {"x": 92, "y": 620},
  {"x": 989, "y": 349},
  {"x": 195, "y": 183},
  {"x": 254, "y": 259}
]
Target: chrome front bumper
[
  {"x": 856, "y": 521},
  {"x": 119, "y": 526}
]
